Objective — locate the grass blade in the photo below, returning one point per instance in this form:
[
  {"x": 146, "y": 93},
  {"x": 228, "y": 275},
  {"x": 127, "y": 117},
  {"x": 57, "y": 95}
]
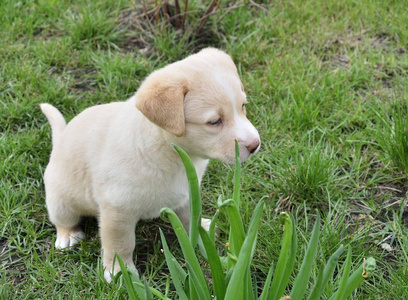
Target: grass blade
[
  {"x": 284, "y": 256},
  {"x": 139, "y": 287},
  {"x": 217, "y": 272},
  {"x": 234, "y": 289},
  {"x": 326, "y": 275},
  {"x": 248, "y": 287},
  {"x": 237, "y": 177},
  {"x": 228, "y": 276},
  {"x": 255, "y": 289},
  {"x": 149, "y": 295},
  {"x": 341, "y": 292},
  {"x": 186, "y": 246},
  {"x": 212, "y": 225},
  {"x": 201, "y": 291},
  {"x": 267, "y": 285},
  {"x": 317, "y": 288},
  {"x": 142, "y": 290},
  {"x": 127, "y": 280},
  {"x": 300, "y": 284},
  {"x": 195, "y": 195},
  {"x": 290, "y": 262},
  {"x": 237, "y": 233},
  {"x": 175, "y": 274}
]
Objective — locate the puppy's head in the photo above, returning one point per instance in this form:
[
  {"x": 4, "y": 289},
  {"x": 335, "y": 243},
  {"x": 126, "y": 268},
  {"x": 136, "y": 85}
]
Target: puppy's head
[{"x": 201, "y": 101}]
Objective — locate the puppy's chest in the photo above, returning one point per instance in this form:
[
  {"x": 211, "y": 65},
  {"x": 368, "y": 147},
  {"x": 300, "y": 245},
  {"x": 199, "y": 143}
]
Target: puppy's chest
[
  {"x": 145, "y": 188},
  {"x": 161, "y": 191}
]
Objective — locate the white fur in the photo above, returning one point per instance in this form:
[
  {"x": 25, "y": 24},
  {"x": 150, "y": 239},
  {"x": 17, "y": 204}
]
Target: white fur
[{"x": 114, "y": 161}]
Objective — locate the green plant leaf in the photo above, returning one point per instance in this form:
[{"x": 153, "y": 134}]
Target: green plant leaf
[
  {"x": 228, "y": 202},
  {"x": 136, "y": 289},
  {"x": 318, "y": 284},
  {"x": 235, "y": 285},
  {"x": 219, "y": 201},
  {"x": 278, "y": 282},
  {"x": 201, "y": 249},
  {"x": 218, "y": 277},
  {"x": 228, "y": 276},
  {"x": 195, "y": 195},
  {"x": 186, "y": 247},
  {"x": 149, "y": 295},
  {"x": 179, "y": 269},
  {"x": 237, "y": 232},
  {"x": 267, "y": 285},
  {"x": 325, "y": 275},
  {"x": 127, "y": 280},
  {"x": 212, "y": 225},
  {"x": 248, "y": 286},
  {"x": 174, "y": 268},
  {"x": 291, "y": 260},
  {"x": 302, "y": 279},
  {"x": 237, "y": 176},
  {"x": 202, "y": 291},
  {"x": 358, "y": 276},
  {"x": 341, "y": 292},
  {"x": 137, "y": 284}
]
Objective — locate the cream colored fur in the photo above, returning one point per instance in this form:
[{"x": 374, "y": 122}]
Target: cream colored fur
[{"x": 116, "y": 161}]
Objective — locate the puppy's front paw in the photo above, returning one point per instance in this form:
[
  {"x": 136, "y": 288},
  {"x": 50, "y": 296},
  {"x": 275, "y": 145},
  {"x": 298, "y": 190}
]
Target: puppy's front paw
[
  {"x": 205, "y": 223},
  {"x": 109, "y": 274},
  {"x": 67, "y": 238}
]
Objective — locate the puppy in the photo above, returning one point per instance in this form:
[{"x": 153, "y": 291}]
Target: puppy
[{"x": 116, "y": 161}]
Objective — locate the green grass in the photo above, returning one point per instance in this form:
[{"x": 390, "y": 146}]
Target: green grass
[{"x": 327, "y": 85}]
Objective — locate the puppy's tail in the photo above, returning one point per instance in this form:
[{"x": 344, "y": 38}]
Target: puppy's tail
[{"x": 55, "y": 118}]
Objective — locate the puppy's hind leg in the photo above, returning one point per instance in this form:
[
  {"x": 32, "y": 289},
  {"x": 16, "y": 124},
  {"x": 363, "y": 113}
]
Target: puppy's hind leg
[
  {"x": 66, "y": 221},
  {"x": 67, "y": 237},
  {"x": 183, "y": 213}
]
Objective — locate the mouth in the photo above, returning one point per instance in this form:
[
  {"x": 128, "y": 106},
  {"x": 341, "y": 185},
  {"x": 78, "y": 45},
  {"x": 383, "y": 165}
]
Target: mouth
[
  {"x": 247, "y": 152},
  {"x": 256, "y": 150},
  {"x": 244, "y": 155}
]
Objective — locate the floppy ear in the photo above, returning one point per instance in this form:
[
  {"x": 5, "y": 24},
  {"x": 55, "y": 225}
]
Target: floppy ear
[{"x": 161, "y": 99}]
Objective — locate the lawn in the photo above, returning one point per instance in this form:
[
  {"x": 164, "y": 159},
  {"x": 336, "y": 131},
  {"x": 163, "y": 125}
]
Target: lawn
[{"x": 327, "y": 84}]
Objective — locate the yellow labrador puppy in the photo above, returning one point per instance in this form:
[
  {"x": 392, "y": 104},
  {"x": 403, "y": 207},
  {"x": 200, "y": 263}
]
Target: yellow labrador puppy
[{"x": 116, "y": 161}]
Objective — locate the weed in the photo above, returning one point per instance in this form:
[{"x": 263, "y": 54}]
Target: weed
[{"x": 326, "y": 83}]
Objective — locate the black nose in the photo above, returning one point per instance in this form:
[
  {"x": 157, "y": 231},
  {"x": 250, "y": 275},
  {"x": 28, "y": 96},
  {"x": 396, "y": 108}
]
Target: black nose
[{"x": 253, "y": 146}]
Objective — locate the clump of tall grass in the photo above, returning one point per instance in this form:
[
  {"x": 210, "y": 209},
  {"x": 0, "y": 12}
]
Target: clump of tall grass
[
  {"x": 392, "y": 133},
  {"x": 91, "y": 25},
  {"x": 310, "y": 173},
  {"x": 231, "y": 276}
]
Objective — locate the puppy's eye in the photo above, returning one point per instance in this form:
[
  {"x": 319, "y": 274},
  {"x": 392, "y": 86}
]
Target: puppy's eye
[
  {"x": 215, "y": 123},
  {"x": 243, "y": 107}
]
